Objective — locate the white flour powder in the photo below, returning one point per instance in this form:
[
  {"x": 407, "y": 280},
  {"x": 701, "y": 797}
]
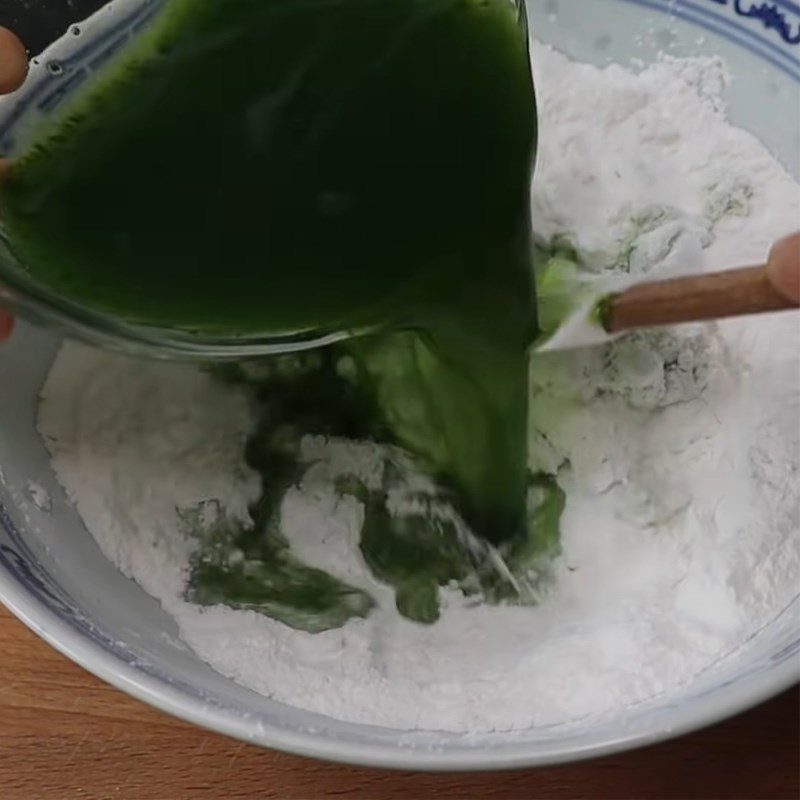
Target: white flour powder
[{"x": 679, "y": 452}]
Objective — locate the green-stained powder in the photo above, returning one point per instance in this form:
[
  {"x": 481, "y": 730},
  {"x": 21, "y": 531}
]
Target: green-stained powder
[{"x": 417, "y": 549}]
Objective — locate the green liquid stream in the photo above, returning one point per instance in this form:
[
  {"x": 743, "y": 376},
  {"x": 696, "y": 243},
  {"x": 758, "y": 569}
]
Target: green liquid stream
[{"x": 285, "y": 166}]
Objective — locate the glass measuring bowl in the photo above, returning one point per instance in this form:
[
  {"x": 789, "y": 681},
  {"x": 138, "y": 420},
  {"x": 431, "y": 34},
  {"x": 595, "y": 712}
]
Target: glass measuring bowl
[{"x": 55, "y": 76}]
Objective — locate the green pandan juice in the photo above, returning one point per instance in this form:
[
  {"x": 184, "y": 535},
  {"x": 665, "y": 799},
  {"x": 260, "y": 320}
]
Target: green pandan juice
[{"x": 272, "y": 166}]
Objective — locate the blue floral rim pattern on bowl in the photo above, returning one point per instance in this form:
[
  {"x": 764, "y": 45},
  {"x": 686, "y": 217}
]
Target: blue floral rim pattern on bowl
[{"x": 770, "y": 31}]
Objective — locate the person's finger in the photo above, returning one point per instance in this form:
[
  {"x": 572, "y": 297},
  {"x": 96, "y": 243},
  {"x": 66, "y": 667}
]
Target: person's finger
[
  {"x": 783, "y": 267},
  {"x": 13, "y": 62},
  {"x": 6, "y": 325}
]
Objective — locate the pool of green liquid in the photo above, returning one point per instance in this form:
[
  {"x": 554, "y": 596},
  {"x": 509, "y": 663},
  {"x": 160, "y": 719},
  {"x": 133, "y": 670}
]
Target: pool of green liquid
[{"x": 274, "y": 166}]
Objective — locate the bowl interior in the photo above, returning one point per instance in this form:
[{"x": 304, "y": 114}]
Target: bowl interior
[{"x": 53, "y": 575}]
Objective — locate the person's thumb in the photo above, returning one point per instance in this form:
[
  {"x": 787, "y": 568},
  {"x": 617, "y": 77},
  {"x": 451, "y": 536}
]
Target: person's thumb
[
  {"x": 13, "y": 62},
  {"x": 783, "y": 267}
]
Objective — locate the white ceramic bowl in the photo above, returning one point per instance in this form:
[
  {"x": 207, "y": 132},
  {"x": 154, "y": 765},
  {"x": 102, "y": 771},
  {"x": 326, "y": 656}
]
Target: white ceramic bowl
[{"x": 54, "y": 578}]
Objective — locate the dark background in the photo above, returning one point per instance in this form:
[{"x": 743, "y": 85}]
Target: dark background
[{"x": 40, "y": 22}]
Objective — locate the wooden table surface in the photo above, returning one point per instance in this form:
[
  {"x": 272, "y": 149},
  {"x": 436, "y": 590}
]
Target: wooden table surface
[{"x": 66, "y": 735}]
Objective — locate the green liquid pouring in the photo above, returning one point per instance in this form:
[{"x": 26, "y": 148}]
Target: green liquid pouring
[{"x": 285, "y": 166}]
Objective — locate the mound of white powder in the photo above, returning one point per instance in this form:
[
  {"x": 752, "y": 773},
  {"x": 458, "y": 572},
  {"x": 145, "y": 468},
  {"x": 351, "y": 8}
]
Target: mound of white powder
[{"x": 679, "y": 452}]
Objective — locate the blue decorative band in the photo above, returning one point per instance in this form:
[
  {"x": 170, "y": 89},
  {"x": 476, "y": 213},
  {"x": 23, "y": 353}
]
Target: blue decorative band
[
  {"x": 774, "y": 54},
  {"x": 770, "y": 16}
]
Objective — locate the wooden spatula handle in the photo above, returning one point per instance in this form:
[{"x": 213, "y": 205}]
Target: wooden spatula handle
[{"x": 694, "y": 299}]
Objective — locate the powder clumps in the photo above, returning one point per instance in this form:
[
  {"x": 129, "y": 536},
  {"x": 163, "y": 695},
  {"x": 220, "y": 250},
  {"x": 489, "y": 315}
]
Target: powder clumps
[{"x": 679, "y": 451}]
